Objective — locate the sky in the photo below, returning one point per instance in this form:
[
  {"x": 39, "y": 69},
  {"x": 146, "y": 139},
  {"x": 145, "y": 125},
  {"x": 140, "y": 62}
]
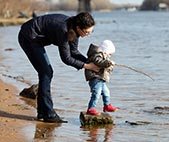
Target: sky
[{"x": 127, "y": 1}]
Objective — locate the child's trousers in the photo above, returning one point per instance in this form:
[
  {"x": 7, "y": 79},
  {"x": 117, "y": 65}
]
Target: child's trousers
[{"x": 98, "y": 87}]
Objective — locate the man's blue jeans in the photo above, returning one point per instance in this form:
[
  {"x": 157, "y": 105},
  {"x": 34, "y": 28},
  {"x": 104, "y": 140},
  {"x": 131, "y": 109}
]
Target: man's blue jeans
[
  {"x": 98, "y": 87},
  {"x": 37, "y": 56}
]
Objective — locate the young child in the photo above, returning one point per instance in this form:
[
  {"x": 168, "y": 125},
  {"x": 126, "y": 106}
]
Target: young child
[{"x": 100, "y": 56}]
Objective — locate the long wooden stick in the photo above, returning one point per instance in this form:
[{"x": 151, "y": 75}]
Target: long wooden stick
[{"x": 121, "y": 65}]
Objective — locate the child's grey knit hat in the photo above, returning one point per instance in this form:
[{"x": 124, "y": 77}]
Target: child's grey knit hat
[{"x": 107, "y": 46}]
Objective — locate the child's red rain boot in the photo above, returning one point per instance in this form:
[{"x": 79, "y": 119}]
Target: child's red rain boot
[
  {"x": 110, "y": 108},
  {"x": 92, "y": 111}
]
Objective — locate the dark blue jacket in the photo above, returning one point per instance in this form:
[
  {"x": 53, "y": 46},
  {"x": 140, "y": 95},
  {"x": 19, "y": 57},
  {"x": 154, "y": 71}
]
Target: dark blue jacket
[{"x": 52, "y": 29}]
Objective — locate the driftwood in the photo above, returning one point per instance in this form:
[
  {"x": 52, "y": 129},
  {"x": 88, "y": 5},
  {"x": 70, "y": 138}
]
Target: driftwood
[
  {"x": 30, "y": 92},
  {"x": 94, "y": 120},
  {"x": 131, "y": 68},
  {"x": 138, "y": 122}
]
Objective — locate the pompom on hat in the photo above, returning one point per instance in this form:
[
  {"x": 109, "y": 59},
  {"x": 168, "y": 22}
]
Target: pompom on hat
[{"x": 107, "y": 46}]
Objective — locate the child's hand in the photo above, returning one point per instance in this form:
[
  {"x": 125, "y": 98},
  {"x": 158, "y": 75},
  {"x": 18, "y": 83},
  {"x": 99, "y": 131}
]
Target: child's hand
[{"x": 113, "y": 63}]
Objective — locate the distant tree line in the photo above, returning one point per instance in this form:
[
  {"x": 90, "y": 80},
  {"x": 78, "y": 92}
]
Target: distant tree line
[
  {"x": 13, "y": 8},
  {"x": 153, "y": 4},
  {"x": 17, "y": 8}
]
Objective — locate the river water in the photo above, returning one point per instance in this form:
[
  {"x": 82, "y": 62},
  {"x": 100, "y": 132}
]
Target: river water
[{"x": 142, "y": 42}]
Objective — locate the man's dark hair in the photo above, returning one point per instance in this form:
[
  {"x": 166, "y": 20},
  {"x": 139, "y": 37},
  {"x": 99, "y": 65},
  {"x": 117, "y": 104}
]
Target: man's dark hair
[{"x": 84, "y": 20}]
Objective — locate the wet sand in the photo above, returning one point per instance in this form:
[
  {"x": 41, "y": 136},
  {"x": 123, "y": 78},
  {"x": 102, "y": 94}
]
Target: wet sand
[{"x": 14, "y": 114}]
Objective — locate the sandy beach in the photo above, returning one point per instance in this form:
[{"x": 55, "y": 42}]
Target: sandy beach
[{"x": 14, "y": 114}]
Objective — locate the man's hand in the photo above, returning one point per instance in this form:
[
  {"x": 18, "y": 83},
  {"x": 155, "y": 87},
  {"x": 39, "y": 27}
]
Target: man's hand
[{"x": 91, "y": 66}]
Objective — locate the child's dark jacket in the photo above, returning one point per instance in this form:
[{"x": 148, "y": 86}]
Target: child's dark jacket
[{"x": 101, "y": 60}]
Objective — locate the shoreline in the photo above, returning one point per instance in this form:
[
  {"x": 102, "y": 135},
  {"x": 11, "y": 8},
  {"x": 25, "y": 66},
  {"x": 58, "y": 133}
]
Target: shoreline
[
  {"x": 12, "y": 21},
  {"x": 15, "y": 115}
]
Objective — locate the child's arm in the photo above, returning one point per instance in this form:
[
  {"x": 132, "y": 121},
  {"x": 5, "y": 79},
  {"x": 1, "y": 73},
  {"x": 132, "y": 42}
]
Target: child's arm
[{"x": 101, "y": 62}]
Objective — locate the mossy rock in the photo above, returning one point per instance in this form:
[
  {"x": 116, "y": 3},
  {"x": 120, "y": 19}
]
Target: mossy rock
[
  {"x": 30, "y": 92},
  {"x": 103, "y": 118}
]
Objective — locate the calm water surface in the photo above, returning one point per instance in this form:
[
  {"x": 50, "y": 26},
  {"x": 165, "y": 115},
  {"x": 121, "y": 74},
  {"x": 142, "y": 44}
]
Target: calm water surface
[{"x": 142, "y": 41}]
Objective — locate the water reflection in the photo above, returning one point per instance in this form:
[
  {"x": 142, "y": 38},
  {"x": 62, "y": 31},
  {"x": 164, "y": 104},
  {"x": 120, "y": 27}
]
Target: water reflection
[
  {"x": 45, "y": 131},
  {"x": 99, "y": 133}
]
